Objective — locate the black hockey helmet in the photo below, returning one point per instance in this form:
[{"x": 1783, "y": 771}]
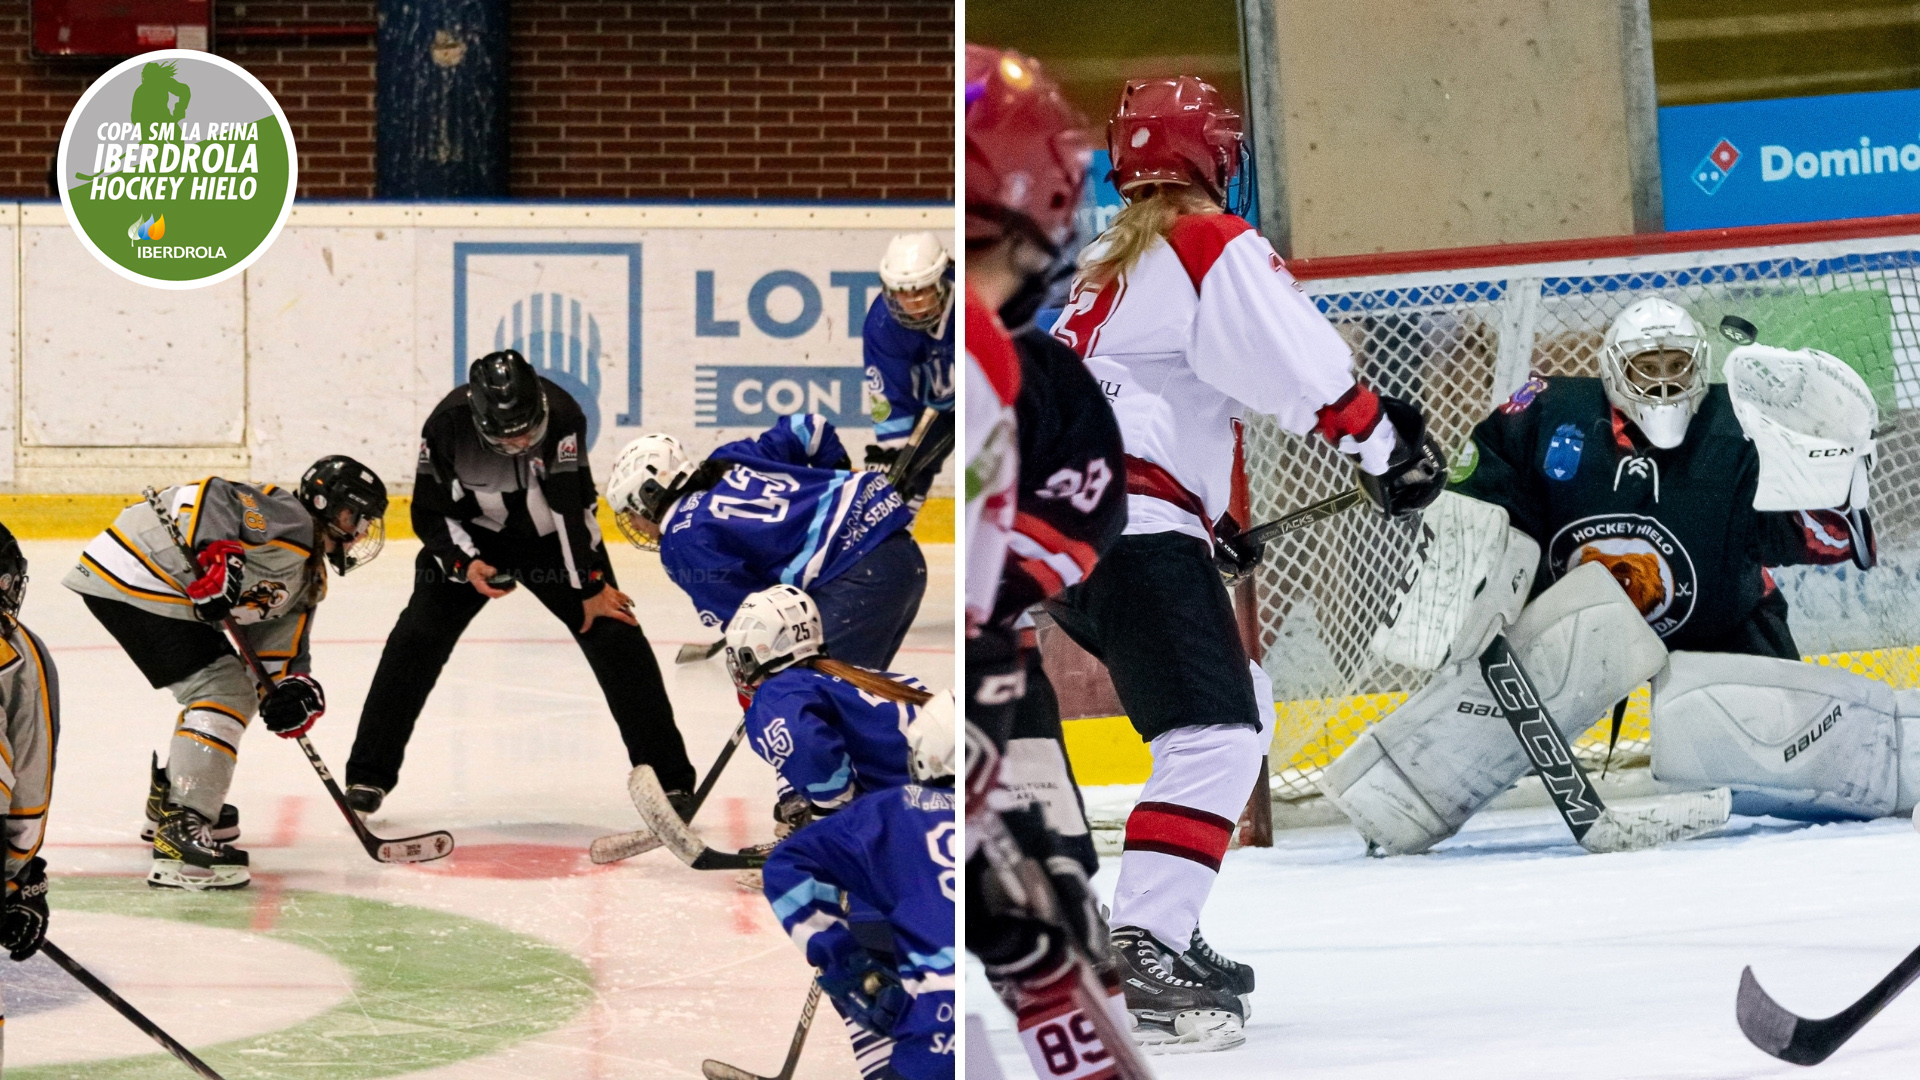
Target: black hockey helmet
[
  {"x": 13, "y": 580},
  {"x": 336, "y": 483},
  {"x": 509, "y": 407}
]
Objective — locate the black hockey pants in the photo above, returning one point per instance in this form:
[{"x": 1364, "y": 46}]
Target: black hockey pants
[{"x": 438, "y": 614}]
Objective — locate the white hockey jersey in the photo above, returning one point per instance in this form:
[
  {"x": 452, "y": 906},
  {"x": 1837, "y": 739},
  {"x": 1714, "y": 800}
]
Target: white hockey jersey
[
  {"x": 1206, "y": 326},
  {"x": 992, "y": 454}
]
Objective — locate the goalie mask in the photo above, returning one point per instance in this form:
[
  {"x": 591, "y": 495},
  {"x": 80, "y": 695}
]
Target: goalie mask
[
  {"x": 773, "y": 630},
  {"x": 1653, "y": 363},
  {"x": 930, "y": 741},
  {"x": 913, "y": 281},
  {"x": 350, "y": 503},
  {"x": 646, "y": 479}
]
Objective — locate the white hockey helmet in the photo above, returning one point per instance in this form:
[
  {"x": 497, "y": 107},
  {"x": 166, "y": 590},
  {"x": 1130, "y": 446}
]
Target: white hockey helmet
[
  {"x": 645, "y": 477},
  {"x": 1653, "y": 363},
  {"x": 930, "y": 741},
  {"x": 913, "y": 279},
  {"x": 773, "y": 630}
]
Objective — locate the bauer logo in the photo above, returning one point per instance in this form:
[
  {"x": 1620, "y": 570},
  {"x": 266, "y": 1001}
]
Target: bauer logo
[
  {"x": 572, "y": 309},
  {"x": 757, "y": 395},
  {"x": 177, "y": 169}
]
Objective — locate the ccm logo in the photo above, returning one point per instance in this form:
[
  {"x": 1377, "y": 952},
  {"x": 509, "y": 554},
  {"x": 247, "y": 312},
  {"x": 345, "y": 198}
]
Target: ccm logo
[
  {"x": 1835, "y": 451},
  {"x": 1819, "y": 728}
]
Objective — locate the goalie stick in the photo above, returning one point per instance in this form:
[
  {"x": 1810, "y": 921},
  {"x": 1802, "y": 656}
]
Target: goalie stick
[
  {"x": 610, "y": 849},
  {"x": 134, "y": 1016},
  {"x": 1596, "y": 827},
  {"x": 411, "y": 849},
  {"x": 1802, "y": 1041},
  {"x": 651, "y": 800},
  {"x": 720, "y": 1070}
]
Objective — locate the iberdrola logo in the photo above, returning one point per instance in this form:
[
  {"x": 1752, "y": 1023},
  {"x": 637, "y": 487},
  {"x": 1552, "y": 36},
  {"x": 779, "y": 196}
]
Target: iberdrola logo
[
  {"x": 194, "y": 151},
  {"x": 150, "y": 229}
]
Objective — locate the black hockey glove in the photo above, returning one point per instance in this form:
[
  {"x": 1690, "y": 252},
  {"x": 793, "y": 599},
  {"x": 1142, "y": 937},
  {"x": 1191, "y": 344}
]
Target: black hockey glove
[
  {"x": 223, "y": 565},
  {"x": 1233, "y": 555},
  {"x": 23, "y": 925},
  {"x": 292, "y": 706},
  {"x": 881, "y": 458},
  {"x": 866, "y": 992},
  {"x": 1416, "y": 470},
  {"x": 790, "y": 813}
]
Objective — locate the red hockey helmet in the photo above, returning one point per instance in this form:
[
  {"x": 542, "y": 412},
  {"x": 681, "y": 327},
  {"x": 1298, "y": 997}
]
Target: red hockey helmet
[
  {"x": 1174, "y": 131},
  {"x": 1026, "y": 150}
]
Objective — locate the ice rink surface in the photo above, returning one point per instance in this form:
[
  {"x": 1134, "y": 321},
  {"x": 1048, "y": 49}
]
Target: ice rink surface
[
  {"x": 516, "y": 957},
  {"x": 1509, "y": 952}
]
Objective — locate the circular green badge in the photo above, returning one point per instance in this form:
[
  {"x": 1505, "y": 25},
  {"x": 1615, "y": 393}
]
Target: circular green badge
[{"x": 177, "y": 169}]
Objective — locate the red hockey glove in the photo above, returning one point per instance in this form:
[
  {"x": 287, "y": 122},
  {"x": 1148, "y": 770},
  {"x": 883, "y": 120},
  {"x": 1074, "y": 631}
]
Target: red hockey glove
[{"x": 223, "y": 564}]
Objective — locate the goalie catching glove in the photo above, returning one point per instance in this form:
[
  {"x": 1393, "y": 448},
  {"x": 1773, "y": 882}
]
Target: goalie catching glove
[
  {"x": 1416, "y": 470},
  {"x": 1811, "y": 419},
  {"x": 223, "y": 565},
  {"x": 292, "y": 706}
]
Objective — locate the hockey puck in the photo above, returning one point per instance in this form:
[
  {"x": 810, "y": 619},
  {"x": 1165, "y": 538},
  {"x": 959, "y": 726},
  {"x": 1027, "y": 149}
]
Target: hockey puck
[
  {"x": 501, "y": 579},
  {"x": 1738, "y": 330}
]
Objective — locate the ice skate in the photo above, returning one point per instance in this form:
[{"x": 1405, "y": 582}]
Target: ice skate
[
  {"x": 1173, "y": 1012},
  {"x": 226, "y": 830},
  {"x": 1221, "y": 973},
  {"x": 186, "y": 856}
]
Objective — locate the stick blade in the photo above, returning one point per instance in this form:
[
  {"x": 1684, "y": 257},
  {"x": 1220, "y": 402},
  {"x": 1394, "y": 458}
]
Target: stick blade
[
  {"x": 612, "y": 849},
  {"x": 1772, "y": 1028},
  {"x": 693, "y": 652},
  {"x": 1685, "y": 816},
  {"x": 650, "y": 799},
  {"x": 416, "y": 849},
  {"x": 720, "y": 1070}
]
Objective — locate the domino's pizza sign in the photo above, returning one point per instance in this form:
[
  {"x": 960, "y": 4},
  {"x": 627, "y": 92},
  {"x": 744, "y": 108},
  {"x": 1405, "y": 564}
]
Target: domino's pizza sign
[{"x": 1790, "y": 159}]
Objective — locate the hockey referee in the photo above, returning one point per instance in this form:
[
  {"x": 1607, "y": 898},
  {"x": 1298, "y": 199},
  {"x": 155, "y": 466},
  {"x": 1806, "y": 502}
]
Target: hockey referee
[{"x": 503, "y": 496}]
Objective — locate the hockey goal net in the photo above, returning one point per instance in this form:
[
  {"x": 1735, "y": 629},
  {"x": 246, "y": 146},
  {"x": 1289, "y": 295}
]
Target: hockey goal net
[{"x": 1460, "y": 340}]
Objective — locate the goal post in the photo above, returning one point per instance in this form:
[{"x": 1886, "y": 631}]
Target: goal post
[{"x": 1459, "y": 331}]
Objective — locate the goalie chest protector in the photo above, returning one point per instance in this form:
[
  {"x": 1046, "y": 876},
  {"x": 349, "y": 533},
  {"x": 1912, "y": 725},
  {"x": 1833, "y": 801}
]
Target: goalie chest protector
[{"x": 1675, "y": 527}]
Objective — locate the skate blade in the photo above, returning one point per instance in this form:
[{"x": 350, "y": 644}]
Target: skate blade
[
  {"x": 173, "y": 874},
  {"x": 1688, "y": 816},
  {"x": 749, "y": 881},
  {"x": 1197, "y": 1031}
]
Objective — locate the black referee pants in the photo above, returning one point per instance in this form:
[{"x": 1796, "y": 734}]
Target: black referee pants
[{"x": 436, "y": 616}]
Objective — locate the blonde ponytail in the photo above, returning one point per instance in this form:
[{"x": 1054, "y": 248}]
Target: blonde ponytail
[
  {"x": 871, "y": 681},
  {"x": 1136, "y": 227}
]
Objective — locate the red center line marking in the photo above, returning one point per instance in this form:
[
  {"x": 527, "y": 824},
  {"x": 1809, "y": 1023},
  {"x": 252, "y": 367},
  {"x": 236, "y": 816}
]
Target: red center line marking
[
  {"x": 267, "y": 889},
  {"x": 745, "y": 904},
  {"x": 286, "y": 827}
]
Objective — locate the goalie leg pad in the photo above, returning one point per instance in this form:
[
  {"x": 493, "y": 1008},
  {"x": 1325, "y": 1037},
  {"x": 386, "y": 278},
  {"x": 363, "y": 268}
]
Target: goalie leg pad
[
  {"x": 1416, "y": 777},
  {"x": 1792, "y": 740}
]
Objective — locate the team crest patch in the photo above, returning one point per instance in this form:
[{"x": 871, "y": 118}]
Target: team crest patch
[
  {"x": 1642, "y": 554},
  {"x": 1524, "y": 396},
  {"x": 1464, "y": 462},
  {"x": 568, "y": 452},
  {"x": 1563, "y": 452}
]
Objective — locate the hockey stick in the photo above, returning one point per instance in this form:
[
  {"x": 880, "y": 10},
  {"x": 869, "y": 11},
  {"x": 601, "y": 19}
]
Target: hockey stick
[
  {"x": 1810, "y": 1042},
  {"x": 423, "y": 848},
  {"x": 693, "y": 652},
  {"x": 133, "y": 1015},
  {"x": 1303, "y": 517},
  {"x": 1597, "y": 828},
  {"x": 720, "y": 1070},
  {"x": 651, "y": 800},
  {"x": 610, "y": 849},
  {"x": 932, "y": 438}
]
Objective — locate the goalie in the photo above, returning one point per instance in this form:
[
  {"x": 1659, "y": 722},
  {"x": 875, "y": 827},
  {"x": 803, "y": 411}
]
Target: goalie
[{"x": 1639, "y": 513}]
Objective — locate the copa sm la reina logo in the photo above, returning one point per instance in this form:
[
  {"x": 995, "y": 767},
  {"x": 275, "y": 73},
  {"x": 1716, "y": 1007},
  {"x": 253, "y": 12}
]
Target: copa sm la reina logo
[{"x": 177, "y": 169}]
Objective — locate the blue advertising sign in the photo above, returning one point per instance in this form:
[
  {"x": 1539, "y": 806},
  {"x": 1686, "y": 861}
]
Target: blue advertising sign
[
  {"x": 756, "y": 395},
  {"x": 1790, "y": 159}
]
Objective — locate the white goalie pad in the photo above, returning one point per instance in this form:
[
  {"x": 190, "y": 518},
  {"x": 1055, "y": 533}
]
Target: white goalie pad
[
  {"x": 1469, "y": 578},
  {"x": 1413, "y": 779},
  {"x": 1811, "y": 419},
  {"x": 1791, "y": 739}
]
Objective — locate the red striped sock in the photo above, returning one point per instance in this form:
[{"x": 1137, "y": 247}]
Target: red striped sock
[{"x": 1181, "y": 831}]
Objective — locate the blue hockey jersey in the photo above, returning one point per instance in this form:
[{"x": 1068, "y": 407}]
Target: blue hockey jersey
[
  {"x": 907, "y": 370},
  {"x": 894, "y": 850},
  {"x": 828, "y": 739},
  {"x": 782, "y": 514}
]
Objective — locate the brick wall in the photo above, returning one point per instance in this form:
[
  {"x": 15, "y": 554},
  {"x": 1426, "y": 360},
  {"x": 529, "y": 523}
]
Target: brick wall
[{"x": 841, "y": 99}]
